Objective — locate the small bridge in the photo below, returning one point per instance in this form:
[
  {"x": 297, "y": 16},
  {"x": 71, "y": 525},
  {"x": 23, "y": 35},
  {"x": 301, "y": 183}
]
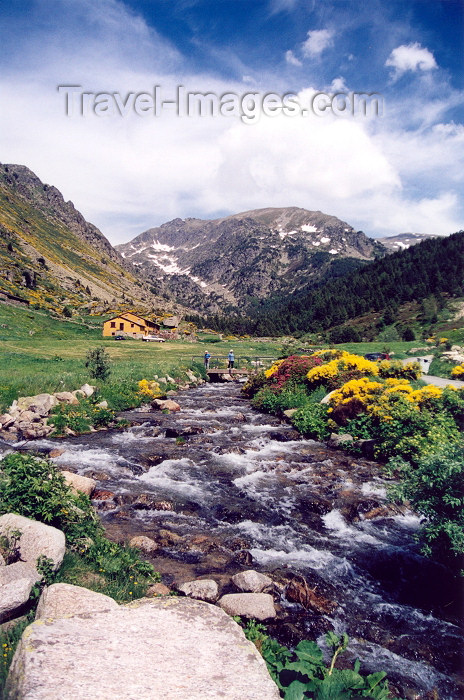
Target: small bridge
[{"x": 243, "y": 364}]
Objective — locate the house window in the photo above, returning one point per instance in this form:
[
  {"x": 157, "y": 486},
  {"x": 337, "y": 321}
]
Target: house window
[
  {"x": 132, "y": 325},
  {"x": 113, "y": 324},
  {"x": 121, "y": 326}
]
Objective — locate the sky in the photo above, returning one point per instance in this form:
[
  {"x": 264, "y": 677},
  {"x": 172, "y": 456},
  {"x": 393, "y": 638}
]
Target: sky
[{"x": 285, "y": 124}]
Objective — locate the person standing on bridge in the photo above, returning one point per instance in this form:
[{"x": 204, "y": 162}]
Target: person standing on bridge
[
  {"x": 231, "y": 359},
  {"x": 207, "y": 358}
]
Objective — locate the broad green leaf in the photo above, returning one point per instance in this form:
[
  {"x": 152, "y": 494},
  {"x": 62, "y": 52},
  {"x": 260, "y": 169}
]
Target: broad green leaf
[
  {"x": 296, "y": 691},
  {"x": 309, "y": 651}
]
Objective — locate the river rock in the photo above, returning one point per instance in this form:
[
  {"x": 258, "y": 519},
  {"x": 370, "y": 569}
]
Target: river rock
[
  {"x": 166, "y": 405},
  {"x": 202, "y": 589},
  {"x": 251, "y": 581},
  {"x": 257, "y": 605},
  {"x": 6, "y": 420},
  {"x": 16, "y": 581},
  {"x": 102, "y": 404},
  {"x": 158, "y": 589},
  {"x": 79, "y": 483},
  {"x": 340, "y": 440},
  {"x": 41, "y": 403},
  {"x": 66, "y": 397},
  {"x": 88, "y": 389},
  {"x": 63, "y": 599},
  {"x": 146, "y": 544},
  {"x": 290, "y": 412},
  {"x": 56, "y": 452},
  {"x": 140, "y": 652}
]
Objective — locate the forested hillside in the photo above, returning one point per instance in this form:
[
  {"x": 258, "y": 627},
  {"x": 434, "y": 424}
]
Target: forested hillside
[{"x": 433, "y": 267}]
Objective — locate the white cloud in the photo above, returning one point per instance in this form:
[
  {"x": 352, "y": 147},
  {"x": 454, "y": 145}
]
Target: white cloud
[
  {"x": 277, "y": 6},
  {"x": 338, "y": 85},
  {"x": 127, "y": 174},
  {"x": 318, "y": 40},
  {"x": 410, "y": 57},
  {"x": 292, "y": 59}
]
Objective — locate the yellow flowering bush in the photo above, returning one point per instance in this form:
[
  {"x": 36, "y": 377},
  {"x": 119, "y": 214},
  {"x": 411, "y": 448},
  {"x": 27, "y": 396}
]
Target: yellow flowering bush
[
  {"x": 150, "y": 390},
  {"x": 273, "y": 369},
  {"x": 342, "y": 367},
  {"x": 442, "y": 341},
  {"x": 410, "y": 370},
  {"x": 377, "y": 398},
  {"x": 362, "y": 389},
  {"x": 458, "y": 371}
]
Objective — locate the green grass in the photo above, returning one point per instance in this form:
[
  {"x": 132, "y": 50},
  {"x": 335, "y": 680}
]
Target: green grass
[{"x": 42, "y": 354}]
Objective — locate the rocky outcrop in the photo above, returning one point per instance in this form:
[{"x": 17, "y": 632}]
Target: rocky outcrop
[
  {"x": 28, "y": 416},
  {"x": 17, "y": 578},
  {"x": 170, "y": 648}
]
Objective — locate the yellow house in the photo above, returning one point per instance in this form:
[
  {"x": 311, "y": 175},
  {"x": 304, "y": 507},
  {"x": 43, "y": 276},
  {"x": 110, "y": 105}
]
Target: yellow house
[{"x": 129, "y": 324}]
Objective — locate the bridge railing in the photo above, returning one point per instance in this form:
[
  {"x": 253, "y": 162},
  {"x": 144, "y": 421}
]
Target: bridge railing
[{"x": 247, "y": 362}]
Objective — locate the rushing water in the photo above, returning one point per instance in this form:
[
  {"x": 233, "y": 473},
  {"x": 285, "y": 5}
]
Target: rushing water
[{"x": 243, "y": 491}]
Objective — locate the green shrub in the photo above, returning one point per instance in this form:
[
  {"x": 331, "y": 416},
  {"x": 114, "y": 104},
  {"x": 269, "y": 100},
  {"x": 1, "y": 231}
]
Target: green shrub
[
  {"x": 311, "y": 420},
  {"x": 303, "y": 674},
  {"x": 254, "y": 383},
  {"x": 36, "y": 489},
  {"x": 435, "y": 488},
  {"x": 80, "y": 417},
  {"x": 267, "y": 400},
  {"x": 97, "y": 362}
]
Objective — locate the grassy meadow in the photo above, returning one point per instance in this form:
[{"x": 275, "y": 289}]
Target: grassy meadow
[{"x": 39, "y": 353}]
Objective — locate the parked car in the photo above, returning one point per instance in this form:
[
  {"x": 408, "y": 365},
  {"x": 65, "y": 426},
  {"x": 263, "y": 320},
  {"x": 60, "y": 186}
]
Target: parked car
[
  {"x": 119, "y": 337},
  {"x": 153, "y": 339},
  {"x": 376, "y": 356}
]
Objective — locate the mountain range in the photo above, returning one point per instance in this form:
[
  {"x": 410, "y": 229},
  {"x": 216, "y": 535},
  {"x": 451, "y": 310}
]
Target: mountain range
[
  {"x": 215, "y": 264},
  {"x": 50, "y": 255}
]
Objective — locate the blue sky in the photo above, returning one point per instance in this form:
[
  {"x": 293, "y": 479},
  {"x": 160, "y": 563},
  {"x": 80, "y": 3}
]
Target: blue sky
[{"x": 398, "y": 172}]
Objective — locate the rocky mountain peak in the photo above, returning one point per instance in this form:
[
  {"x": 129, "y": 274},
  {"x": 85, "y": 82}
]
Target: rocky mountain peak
[{"x": 249, "y": 254}]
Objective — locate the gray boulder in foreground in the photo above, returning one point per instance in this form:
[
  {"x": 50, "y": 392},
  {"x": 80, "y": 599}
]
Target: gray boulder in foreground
[
  {"x": 17, "y": 579},
  {"x": 169, "y": 648},
  {"x": 36, "y": 538}
]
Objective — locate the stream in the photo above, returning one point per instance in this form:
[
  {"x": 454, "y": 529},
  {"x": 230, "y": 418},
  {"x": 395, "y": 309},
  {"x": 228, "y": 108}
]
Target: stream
[{"x": 239, "y": 489}]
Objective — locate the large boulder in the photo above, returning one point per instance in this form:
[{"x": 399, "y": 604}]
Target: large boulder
[
  {"x": 166, "y": 405},
  {"x": 36, "y": 539},
  {"x": 63, "y": 600},
  {"x": 41, "y": 404},
  {"x": 87, "y": 390},
  {"x": 257, "y": 605},
  {"x": 17, "y": 579},
  {"x": 170, "y": 648}
]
